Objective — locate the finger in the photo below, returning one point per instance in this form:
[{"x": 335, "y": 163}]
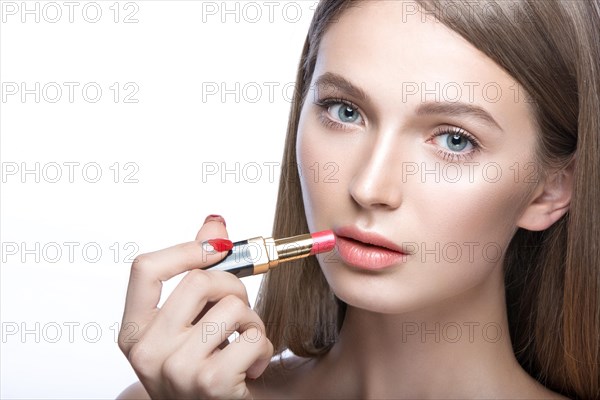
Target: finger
[
  {"x": 250, "y": 352},
  {"x": 215, "y": 220},
  {"x": 224, "y": 344},
  {"x": 148, "y": 271},
  {"x": 207, "y": 307},
  {"x": 230, "y": 314},
  {"x": 192, "y": 295}
]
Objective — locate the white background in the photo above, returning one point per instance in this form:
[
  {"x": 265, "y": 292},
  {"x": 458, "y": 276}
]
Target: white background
[{"x": 60, "y": 310}]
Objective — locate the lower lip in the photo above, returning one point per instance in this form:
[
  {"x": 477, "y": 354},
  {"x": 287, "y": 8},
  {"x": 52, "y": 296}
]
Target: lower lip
[{"x": 360, "y": 255}]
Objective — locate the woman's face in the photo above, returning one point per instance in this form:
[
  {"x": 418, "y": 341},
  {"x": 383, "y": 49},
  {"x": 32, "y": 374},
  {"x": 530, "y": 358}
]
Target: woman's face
[{"x": 411, "y": 133}]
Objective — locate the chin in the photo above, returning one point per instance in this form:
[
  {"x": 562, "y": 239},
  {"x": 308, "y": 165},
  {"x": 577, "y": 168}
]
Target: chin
[
  {"x": 401, "y": 293},
  {"x": 376, "y": 293},
  {"x": 380, "y": 305}
]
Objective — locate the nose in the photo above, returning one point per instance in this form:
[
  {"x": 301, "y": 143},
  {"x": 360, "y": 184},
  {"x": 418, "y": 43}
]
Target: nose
[{"x": 375, "y": 184}]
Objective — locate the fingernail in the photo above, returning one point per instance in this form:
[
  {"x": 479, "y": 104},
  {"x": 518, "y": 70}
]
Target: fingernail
[
  {"x": 216, "y": 245},
  {"x": 215, "y": 217}
]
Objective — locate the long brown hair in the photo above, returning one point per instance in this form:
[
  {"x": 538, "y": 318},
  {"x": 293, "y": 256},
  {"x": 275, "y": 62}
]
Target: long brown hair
[{"x": 552, "y": 277}]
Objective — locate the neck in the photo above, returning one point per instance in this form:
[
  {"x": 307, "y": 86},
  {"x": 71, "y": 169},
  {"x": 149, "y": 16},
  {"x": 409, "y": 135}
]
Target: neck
[{"x": 460, "y": 348}]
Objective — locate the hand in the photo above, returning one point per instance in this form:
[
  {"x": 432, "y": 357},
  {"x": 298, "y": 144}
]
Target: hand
[{"x": 181, "y": 350}]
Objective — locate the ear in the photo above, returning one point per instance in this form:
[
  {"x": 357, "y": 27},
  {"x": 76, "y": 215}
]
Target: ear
[{"x": 550, "y": 200}]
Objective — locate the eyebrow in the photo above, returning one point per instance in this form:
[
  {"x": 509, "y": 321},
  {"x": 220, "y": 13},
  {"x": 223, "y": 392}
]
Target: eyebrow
[
  {"x": 457, "y": 109},
  {"x": 336, "y": 81}
]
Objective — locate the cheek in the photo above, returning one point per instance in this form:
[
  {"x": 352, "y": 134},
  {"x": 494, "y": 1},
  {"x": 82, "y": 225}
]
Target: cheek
[{"x": 475, "y": 217}]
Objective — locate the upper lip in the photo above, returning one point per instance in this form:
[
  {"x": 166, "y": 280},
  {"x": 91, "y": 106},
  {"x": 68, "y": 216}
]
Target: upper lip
[{"x": 376, "y": 239}]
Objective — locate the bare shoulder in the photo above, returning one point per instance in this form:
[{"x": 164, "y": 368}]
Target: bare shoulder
[
  {"x": 535, "y": 390},
  {"x": 282, "y": 379},
  {"x": 134, "y": 391},
  {"x": 549, "y": 394}
]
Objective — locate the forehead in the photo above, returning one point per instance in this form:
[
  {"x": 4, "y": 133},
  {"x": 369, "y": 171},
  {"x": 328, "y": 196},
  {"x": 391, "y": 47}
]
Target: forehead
[
  {"x": 388, "y": 47},
  {"x": 391, "y": 33}
]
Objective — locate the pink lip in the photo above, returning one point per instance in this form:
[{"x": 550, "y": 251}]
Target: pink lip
[{"x": 367, "y": 250}]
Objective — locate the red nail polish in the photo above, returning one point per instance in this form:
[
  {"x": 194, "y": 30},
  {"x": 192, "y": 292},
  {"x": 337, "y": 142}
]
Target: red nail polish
[
  {"x": 221, "y": 244},
  {"x": 215, "y": 217}
]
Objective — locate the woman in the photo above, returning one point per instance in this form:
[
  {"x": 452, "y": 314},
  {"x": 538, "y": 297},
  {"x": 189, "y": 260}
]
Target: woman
[{"x": 461, "y": 141}]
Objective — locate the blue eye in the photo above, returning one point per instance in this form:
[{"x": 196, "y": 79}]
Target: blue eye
[
  {"x": 345, "y": 112},
  {"x": 455, "y": 143},
  {"x": 339, "y": 114}
]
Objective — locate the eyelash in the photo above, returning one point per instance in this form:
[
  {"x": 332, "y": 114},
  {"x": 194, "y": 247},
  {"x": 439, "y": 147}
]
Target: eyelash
[
  {"x": 327, "y": 121},
  {"x": 455, "y": 130},
  {"x": 324, "y": 104}
]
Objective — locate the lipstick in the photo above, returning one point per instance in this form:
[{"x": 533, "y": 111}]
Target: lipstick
[
  {"x": 367, "y": 250},
  {"x": 259, "y": 254}
]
